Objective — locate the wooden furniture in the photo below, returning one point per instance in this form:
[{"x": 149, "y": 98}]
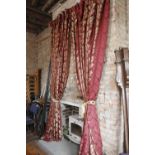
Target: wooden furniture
[
  {"x": 33, "y": 86},
  {"x": 122, "y": 79}
]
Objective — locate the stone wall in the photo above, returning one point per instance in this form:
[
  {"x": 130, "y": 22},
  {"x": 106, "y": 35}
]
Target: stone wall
[
  {"x": 38, "y": 54},
  {"x": 108, "y": 101},
  {"x": 43, "y": 48},
  {"x": 31, "y": 53}
]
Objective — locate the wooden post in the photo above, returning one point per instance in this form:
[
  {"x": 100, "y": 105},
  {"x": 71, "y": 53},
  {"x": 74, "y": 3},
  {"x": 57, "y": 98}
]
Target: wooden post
[
  {"x": 122, "y": 79},
  {"x": 37, "y": 82}
]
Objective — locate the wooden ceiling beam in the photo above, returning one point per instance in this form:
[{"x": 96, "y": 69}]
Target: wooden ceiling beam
[
  {"x": 34, "y": 2},
  {"x": 35, "y": 24},
  {"x": 42, "y": 13},
  {"x": 56, "y": 5},
  {"x": 36, "y": 21},
  {"x": 29, "y": 25},
  {"x": 32, "y": 28},
  {"x": 49, "y": 4},
  {"x": 37, "y": 17}
]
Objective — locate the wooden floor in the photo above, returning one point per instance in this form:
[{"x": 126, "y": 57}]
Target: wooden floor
[
  {"x": 32, "y": 148},
  {"x": 30, "y": 136},
  {"x": 32, "y": 145}
]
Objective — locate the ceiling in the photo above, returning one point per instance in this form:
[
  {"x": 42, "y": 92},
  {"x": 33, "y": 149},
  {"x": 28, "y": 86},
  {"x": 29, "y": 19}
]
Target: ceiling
[{"x": 37, "y": 14}]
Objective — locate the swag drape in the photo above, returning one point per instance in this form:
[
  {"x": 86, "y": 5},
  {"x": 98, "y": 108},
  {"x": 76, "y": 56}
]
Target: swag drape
[
  {"x": 60, "y": 60},
  {"x": 90, "y": 21}
]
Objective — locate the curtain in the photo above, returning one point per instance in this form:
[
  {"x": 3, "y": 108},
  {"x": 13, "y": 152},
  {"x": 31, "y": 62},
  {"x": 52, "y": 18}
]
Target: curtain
[
  {"x": 60, "y": 60},
  {"x": 90, "y": 20}
]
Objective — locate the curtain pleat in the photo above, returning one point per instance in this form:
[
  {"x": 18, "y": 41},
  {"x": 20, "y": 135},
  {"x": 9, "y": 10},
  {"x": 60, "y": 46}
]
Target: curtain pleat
[
  {"x": 90, "y": 21},
  {"x": 60, "y": 60}
]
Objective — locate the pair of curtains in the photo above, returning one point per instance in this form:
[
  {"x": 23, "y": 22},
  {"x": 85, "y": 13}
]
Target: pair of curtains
[{"x": 82, "y": 29}]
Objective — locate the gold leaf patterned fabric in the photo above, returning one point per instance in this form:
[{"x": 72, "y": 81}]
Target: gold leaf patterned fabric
[
  {"x": 90, "y": 20},
  {"x": 60, "y": 60}
]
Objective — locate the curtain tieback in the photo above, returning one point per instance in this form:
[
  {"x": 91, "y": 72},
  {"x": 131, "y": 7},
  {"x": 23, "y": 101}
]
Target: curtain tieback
[
  {"x": 55, "y": 100},
  {"x": 90, "y": 102}
]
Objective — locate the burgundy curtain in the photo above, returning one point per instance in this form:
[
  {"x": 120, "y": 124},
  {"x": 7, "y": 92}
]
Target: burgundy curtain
[
  {"x": 89, "y": 25},
  {"x": 90, "y": 20},
  {"x": 60, "y": 59}
]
